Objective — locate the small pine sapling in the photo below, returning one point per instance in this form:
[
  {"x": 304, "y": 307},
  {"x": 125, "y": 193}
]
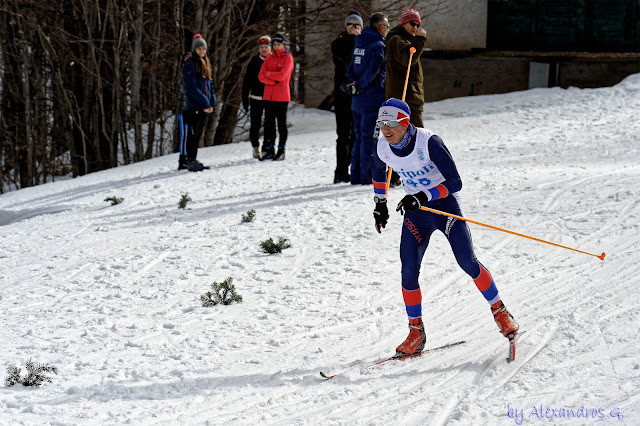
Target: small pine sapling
[
  {"x": 114, "y": 200},
  {"x": 36, "y": 374},
  {"x": 249, "y": 217},
  {"x": 223, "y": 293},
  {"x": 271, "y": 247},
  {"x": 13, "y": 376},
  {"x": 183, "y": 201}
]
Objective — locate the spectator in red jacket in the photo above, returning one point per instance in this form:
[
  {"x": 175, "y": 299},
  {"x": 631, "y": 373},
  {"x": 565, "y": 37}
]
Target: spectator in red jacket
[{"x": 275, "y": 73}]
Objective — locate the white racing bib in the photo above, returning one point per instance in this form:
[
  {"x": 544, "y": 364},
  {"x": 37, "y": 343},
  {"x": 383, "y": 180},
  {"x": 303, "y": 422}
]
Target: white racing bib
[{"x": 417, "y": 171}]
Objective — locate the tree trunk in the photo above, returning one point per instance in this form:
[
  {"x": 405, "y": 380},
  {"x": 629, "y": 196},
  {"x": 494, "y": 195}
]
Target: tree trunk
[{"x": 136, "y": 77}]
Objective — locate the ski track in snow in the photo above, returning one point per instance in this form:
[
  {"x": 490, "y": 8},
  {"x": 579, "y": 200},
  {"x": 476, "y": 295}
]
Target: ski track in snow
[{"x": 110, "y": 294}]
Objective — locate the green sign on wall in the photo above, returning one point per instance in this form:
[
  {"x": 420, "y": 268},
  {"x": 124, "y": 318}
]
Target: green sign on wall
[{"x": 564, "y": 25}]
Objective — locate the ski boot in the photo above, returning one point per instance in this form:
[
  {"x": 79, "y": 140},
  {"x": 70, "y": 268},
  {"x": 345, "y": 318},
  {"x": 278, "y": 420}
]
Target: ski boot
[
  {"x": 507, "y": 325},
  {"x": 416, "y": 339}
]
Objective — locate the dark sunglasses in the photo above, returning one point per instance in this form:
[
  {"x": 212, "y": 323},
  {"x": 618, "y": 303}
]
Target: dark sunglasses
[
  {"x": 351, "y": 25},
  {"x": 263, "y": 41},
  {"x": 390, "y": 123},
  {"x": 414, "y": 24}
]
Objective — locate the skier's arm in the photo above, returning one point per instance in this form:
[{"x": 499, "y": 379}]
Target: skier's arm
[
  {"x": 441, "y": 157},
  {"x": 189, "y": 76},
  {"x": 378, "y": 174}
]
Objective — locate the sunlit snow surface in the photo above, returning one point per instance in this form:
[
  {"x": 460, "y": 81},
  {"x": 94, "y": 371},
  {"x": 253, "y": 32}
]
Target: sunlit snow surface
[{"x": 110, "y": 294}]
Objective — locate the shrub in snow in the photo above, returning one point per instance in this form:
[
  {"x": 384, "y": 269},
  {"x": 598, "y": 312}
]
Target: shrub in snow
[
  {"x": 251, "y": 214},
  {"x": 223, "y": 293},
  {"x": 36, "y": 374},
  {"x": 183, "y": 201},
  {"x": 270, "y": 247},
  {"x": 114, "y": 200}
]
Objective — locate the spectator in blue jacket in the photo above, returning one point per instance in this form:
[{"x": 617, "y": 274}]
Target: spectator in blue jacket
[
  {"x": 366, "y": 72},
  {"x": 201, "y": 100}
]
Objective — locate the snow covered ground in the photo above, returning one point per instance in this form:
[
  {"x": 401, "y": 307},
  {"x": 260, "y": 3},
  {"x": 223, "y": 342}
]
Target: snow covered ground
[{"x": 110, "y": 294}]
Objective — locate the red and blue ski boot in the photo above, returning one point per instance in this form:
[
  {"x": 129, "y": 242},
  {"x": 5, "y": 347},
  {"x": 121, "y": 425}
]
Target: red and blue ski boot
[{"x": 415, "y": 341}]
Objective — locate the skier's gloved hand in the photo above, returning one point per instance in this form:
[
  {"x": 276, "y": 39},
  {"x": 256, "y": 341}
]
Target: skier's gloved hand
[
  {"x": 381, "y": 213},
  {"x": 412, "y": 202}
]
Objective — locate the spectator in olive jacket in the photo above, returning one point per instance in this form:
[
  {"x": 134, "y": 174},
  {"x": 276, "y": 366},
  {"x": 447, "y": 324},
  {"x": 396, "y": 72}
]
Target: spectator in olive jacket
[{"x": 398, "y": 43}]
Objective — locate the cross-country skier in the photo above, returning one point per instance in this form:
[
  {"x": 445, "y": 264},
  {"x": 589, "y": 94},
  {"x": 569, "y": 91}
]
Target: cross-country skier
[{"x": 429, "y": 178}]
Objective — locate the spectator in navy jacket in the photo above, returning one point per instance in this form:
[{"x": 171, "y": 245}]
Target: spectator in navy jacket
[
  {"x": 367, "y": 75},
  {"x": 201, "y": 100}
]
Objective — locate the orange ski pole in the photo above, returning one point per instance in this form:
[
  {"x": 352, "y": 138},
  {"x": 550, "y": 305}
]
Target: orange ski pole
[
  {"x": 601, "y": 256},
  {"x": 404, "y": 94}
]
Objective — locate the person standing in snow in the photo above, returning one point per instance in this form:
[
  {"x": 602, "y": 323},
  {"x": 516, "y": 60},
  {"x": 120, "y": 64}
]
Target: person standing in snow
[
  {"x": 430, "y": 179},
  {"x": 399, "y": 42},
  {"x": 275, "y": 73},
  {"x": 252, "y": 90},
  {"x": 367, "y": 75},
  {"x": 197, "y": 75},
  {"x": 341, "y": 49}
]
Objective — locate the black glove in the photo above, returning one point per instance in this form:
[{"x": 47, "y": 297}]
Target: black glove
[
  {"x": 245, "y": 105},
  {"x": 412, "y": 202},
  {"x": 381, "y": 214}
]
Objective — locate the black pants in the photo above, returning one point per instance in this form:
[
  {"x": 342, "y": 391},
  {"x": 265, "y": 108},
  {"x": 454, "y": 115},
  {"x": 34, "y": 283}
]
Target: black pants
[
  {"x": 256, "y": 110},
  {"x": 345, "y": 131},
  {"x": 191, "y": 127},
  {"x": 275, "y": 111}
]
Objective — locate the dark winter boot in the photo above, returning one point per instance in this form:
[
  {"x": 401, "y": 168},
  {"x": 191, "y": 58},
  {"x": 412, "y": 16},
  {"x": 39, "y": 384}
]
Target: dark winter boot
[
  {"x": 415, "y": 340},
  {"x": 340, "y": 177},
  {"x": 504, "y": 319},
  {"x": 269, "y": 153},
  {"x": 280, "y": 154},
  {"x": 195, "y": 166},
  {"x": 182, "y": 162}
]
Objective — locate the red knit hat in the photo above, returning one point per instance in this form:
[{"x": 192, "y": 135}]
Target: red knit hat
[{"x": 410, "y": 15}]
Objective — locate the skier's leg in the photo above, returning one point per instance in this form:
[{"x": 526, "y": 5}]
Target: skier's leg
[
  {"x": 457, "y": 232},
  {"x": 413, "y": 244},
  {"x": 459, "y": 237}
]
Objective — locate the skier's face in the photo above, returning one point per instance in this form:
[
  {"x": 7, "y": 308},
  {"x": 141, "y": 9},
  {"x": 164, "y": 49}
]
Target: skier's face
[
  {"x": 394, "y": 134},
  {"x": 201, "y": 51}
]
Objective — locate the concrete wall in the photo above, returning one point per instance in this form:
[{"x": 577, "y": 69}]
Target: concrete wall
[
  {"x": 484, "y": 74},
  {"x": 592, "y": 73},
  {"x": 456, "y": 25},
  {"x": 452, "y": 78}
]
